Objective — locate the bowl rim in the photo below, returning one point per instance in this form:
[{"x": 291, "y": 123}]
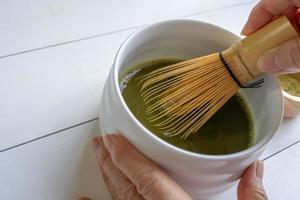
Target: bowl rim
[
  {"x": 290, "y": 96},
  {"x": 182, "y": 152}
]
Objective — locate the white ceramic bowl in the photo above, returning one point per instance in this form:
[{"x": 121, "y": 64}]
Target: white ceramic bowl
[
  {"x": 291, "y": 102},
  {"x": 291, "y": 105},
  {"x": 200, "y": 175}
]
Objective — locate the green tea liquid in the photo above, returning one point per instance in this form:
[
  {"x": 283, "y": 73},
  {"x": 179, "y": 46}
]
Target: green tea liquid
[{"x": 230, "y": 130}]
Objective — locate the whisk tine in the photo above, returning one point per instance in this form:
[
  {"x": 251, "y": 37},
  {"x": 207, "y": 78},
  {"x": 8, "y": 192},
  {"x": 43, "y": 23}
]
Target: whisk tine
[
  {"x": 149, "y": 91},
  {"x": 179, "y": 122},
  {"x": 191, "y": 124},
  {"x": 181, "y": 97},
  {"x": 156, "y": 88},
  {"x": 205, "y": 117},
  {"x": 186, "y": 122},
  {"x": 175, "y": 66},
  {"x": 171, "y": 70},
  {"x": 193, "y": 86}
]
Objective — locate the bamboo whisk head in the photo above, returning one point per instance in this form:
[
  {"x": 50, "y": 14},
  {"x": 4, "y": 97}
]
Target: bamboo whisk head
[{"x": 181, "y": 97}]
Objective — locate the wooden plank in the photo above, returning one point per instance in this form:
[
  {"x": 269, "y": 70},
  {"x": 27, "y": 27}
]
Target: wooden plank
[
  {"x": 281, "y": 177},
  {"x": 62, "y": 166},
  {"x": 52, "y": 89},
  {"x": 232, "y": 19},
  {"x": 287, "y": 134},
  {"x": 282, "y": 174},
  {"x": 31, "y": 24}
]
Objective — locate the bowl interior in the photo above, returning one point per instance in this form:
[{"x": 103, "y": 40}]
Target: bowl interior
[
  {"x": 187, "y": 39},
  {"x": 289, "y": 95}
]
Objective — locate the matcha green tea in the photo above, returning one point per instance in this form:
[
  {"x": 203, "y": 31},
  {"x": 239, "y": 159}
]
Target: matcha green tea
[
  {"x": 290, "y": 83},
  {"x": 230, "y": 130}
]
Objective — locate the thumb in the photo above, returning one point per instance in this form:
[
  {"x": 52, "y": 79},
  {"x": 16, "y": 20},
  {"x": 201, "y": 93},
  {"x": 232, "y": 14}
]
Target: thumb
[
  {"x": 251, "y": 184},
  {"x": 283, "y": 59}
]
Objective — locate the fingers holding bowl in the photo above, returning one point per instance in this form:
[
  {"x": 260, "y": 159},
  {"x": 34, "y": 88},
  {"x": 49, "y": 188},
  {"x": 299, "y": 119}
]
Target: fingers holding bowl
[
  {"x": 128, "y": 174},
  {"x": 251, "y": 183},
  {"x": 119, "y": 186}
]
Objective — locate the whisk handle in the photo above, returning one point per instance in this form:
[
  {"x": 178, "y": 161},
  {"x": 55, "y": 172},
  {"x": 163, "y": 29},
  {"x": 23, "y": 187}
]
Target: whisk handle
[{"x": 268, "y": 37}]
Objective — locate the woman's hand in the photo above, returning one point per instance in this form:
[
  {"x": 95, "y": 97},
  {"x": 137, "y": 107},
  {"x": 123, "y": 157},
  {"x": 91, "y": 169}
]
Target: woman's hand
[
  {"x": 251, "y": 185},
  {"x": 286, "y": 58},
  {"x": 128, "y": 174}
]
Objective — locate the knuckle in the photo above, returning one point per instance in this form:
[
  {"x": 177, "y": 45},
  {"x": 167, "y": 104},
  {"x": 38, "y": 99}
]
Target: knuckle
[
  {"x": 264, "y": 4},
  {"x": 106, "y": 163},
  {"x": 149, "y": 182},
  {"x": 260, "y": 194},
  {"x": 119, "y": 154},
  {"x": 102, "y": 158},
  {"x": 125, "y": 190},
  {"x": 105, "y": 177},
  {"x": 257, "y": 192}
]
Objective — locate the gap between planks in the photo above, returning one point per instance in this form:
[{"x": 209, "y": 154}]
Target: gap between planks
[{"x": 48, "y": 135}]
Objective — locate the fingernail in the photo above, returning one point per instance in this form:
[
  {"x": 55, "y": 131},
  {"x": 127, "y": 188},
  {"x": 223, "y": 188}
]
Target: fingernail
[
  {"x": 108, "y": 142},
  {"x": 243, "y": 32},
  {"x": 266, "y": 63},
  {"x": 259, "y": 169},
  {"x": 246, "y": 30}
]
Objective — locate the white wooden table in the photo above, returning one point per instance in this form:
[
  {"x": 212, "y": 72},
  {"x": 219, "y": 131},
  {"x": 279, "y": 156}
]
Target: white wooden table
[{"x": 54, "y": 58}]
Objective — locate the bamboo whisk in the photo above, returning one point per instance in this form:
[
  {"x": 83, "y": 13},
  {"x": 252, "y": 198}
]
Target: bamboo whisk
[{"x": 183, "y": 96}]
